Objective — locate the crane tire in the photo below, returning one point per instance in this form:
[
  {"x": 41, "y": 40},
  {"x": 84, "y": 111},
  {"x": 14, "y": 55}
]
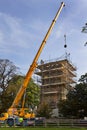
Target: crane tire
[{"x": 10, "y": 122}]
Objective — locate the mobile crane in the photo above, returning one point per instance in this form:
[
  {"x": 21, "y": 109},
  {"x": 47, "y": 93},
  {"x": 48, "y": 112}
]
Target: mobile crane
[{"x": 11, "y": 110}]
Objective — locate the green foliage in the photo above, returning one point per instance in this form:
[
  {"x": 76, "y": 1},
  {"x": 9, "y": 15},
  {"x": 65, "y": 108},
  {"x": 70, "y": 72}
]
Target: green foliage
[
  {"x": 44, "y": 110},
  {"x": 7, "y": 72},
  {"x": 32, "y": 94},
  {"x": 8, "y": 96},
  {"x": 14, "y": 85},
  {"x": 84, "y": 30},
  {"x": 83, "y": 78},
  {"x": 10, "y": 83},
  {"x": 76, "y": 103},
  {"x": 5, "y": 102}
]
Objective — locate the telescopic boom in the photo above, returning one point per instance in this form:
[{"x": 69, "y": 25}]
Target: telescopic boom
[{"x": 34, "y": 63}]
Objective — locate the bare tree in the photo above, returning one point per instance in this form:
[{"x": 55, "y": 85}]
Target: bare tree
[{"x": 7, "y": 71}]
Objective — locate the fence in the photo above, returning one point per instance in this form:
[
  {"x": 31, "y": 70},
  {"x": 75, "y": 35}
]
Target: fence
[
  {"x": 66, "y": 122},
  {"x": 42, "y": 122}
]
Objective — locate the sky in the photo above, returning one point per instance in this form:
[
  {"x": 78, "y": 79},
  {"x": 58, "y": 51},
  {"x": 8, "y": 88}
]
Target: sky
[{"x": 24, "y": 23}]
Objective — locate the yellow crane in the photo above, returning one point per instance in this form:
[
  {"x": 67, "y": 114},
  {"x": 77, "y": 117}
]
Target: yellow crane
[{"x": 33, "y": 65}]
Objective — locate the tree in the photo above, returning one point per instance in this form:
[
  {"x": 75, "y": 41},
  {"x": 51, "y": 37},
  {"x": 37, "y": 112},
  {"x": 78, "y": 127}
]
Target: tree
[
  {"x": 7, "y": 71},
  {"x": 10, "y": 82},
  {"x": 32, "y": 94},
  {"x": 76, "y": 102},
  {"x": 31, "y": 98},
  {"x": 8, "y": 96},
  {"x": 84, "y": 30},
  {"x": 83, "y": 78},
  {"x": 14, "y": 85},
  {"x": 44, "y": 110}
]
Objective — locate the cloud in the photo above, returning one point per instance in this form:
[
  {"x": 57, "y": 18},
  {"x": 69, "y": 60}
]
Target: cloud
[
  {"x": 19, "y": 39},
  {"x": 21, "y": 34},
  {"x": 13, "y": 33},
  {"x": 13, "y": 30}
]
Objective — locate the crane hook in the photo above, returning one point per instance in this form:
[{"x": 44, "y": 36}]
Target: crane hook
[{"x": 65, "y": 46}]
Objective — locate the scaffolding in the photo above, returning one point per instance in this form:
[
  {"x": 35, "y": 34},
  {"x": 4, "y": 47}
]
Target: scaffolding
[{"x": 57, "y": 77}]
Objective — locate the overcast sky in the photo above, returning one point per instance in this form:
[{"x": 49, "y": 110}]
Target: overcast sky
[{"x": 24, "y": 23}]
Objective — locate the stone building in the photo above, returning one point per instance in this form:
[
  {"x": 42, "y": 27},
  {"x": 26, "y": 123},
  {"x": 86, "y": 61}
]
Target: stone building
[{"x": 57, "y": 78}]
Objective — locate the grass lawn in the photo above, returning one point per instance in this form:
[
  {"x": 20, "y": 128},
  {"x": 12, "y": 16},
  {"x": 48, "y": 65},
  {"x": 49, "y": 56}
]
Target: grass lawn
[{"x": 28, "y": 128}]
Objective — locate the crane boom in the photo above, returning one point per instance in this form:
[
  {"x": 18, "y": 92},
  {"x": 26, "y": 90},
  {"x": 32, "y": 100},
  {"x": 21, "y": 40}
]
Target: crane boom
[{"x": 34, "y": 63}]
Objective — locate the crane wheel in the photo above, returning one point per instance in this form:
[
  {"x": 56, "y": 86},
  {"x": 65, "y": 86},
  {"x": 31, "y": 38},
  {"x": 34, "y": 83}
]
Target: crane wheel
[{"x": 10, "y": 122}]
